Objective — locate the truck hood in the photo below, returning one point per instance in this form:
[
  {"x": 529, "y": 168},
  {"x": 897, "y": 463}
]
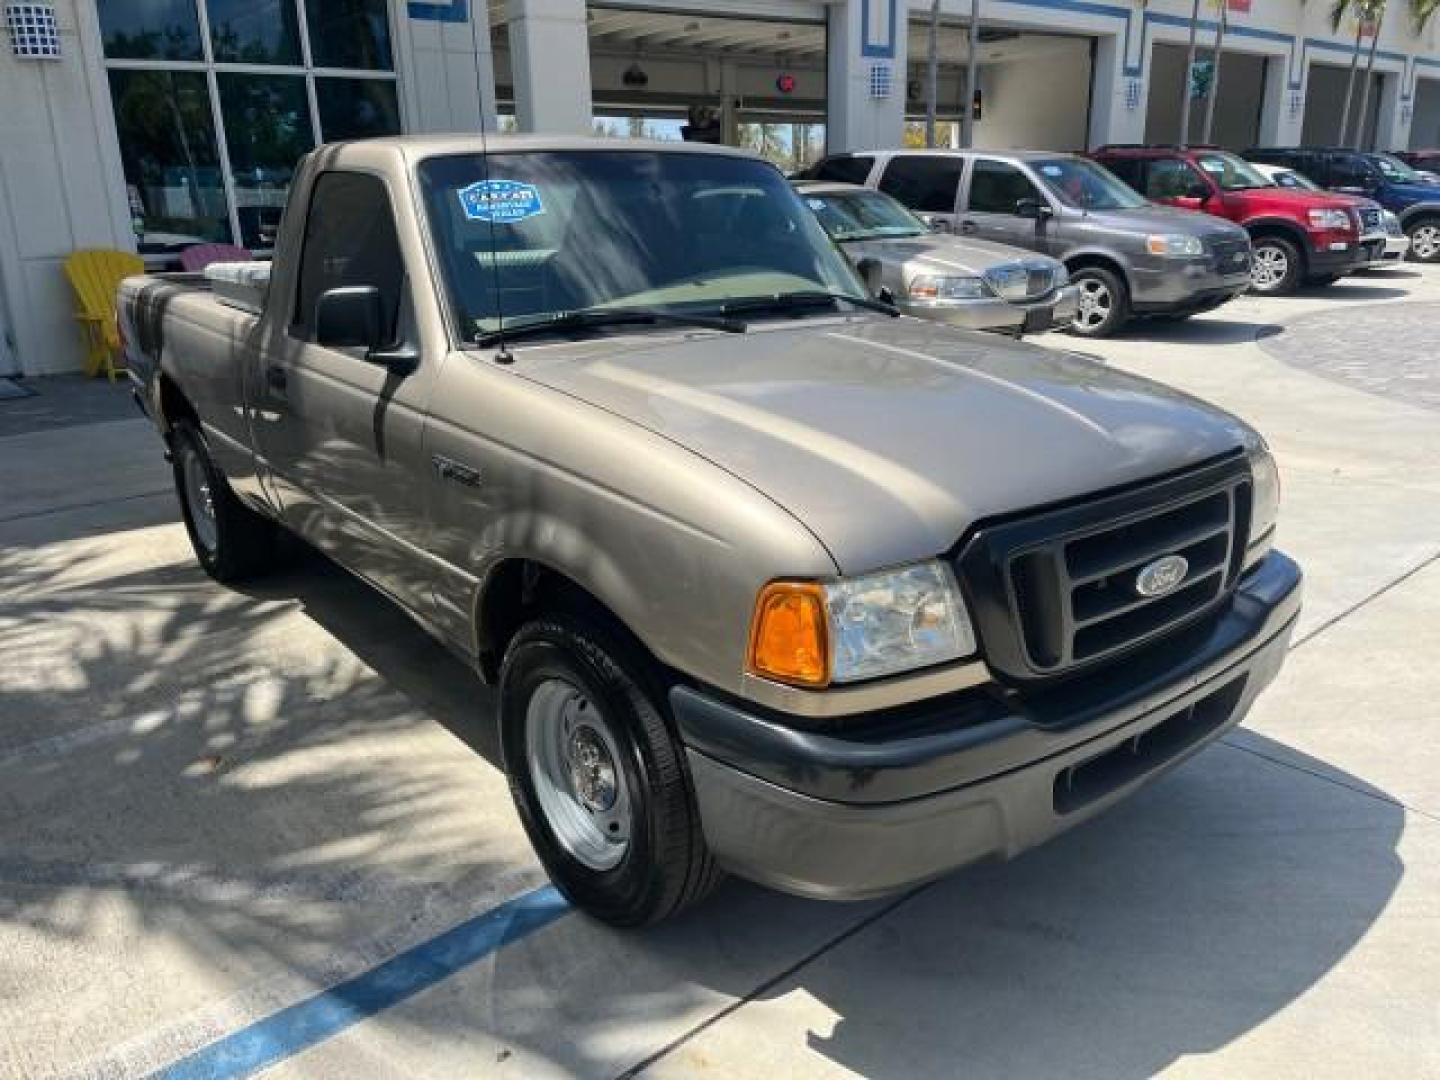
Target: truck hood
[
  {"x": 1170, "y": 219},
  {"x": 889, "y": 438}
]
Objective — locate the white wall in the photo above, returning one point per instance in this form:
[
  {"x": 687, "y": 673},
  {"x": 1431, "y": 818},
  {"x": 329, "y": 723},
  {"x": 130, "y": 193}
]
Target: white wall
[
  {"x": 1039, "y": 101},
  {"x": 60, "y": 189}
]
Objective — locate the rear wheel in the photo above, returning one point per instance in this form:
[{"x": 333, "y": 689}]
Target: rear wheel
[
  {"x": 1276, "y": 267},
  {"x": 231, "y": 541},
  {"x": 598, "y": 779},
  {"x": 1104, "y": 302},
  {"x": 1425, "y": 240}
]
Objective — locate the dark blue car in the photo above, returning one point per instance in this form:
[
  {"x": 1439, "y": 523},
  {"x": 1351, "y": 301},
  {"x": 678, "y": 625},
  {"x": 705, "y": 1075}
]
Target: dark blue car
[{"x": 1382, "y": 177}]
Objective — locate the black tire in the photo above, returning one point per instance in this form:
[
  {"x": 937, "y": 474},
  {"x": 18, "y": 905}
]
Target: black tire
[
  {"x": 1276, "y": 267},
  {"x": 1104, "y": 302},
  {"x": 1424, "y": 236},
  {"x": 664, "y": 866},
  {"x": 236, "y": 542}
]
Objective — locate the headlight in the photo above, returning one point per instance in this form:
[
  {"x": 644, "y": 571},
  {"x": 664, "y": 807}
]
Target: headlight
[
  {"x": 929, "y": 287},
  {"x": 1175, "y": 246},
  {"x": 817, "y": 633},
  {"x": 1329, "y": 219},
  {"x": 1264, "y": 505}
]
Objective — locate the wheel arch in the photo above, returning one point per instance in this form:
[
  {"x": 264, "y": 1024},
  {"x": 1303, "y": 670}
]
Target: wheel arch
[{"x": 1418, "y": 211}]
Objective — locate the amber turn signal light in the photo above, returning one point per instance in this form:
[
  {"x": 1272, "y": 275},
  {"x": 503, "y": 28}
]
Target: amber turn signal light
[{"x": 789, "y": 640}]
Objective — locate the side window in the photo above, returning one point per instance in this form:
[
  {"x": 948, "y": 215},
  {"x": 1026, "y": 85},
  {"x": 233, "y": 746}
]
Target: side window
[
  {"x": 350, "y": 239},
  {"x": 996, "y": 187},
  {"x": 1171, "y": 178},
  {"x": 844, "y": 170},
  {"x": 927, "y": 184},
  {"x": 1348, "y": 170},
  {"x": 1131, "y": 170}
]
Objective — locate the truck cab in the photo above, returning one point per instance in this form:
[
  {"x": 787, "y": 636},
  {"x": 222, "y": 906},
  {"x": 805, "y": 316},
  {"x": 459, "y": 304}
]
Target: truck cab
[
  {"x": 1300, "y": 237},
  {"x": 1392, "y": 183}
]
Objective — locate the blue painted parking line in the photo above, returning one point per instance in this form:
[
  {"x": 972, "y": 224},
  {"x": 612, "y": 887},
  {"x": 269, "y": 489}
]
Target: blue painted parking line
[{"x": 306, "y": 1023}]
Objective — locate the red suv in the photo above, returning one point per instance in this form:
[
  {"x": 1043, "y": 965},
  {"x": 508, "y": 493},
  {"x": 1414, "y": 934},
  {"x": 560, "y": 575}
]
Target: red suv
[{"x": 1298, "y": 236}]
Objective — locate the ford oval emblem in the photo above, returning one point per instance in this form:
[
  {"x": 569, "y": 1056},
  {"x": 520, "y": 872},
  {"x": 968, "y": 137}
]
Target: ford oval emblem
[{"x": 1161, "y": 576}]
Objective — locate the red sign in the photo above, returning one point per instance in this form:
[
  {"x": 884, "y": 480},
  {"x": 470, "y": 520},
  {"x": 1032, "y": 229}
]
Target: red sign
[
  {"x": 1242, "y": 6},
  {"x": 785, "y": 84}
]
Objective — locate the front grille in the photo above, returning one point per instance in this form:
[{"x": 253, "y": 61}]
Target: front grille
[
  {"x": 1229, "y": 256},
  {"x": 1060, "y": 591},
  {"x": 1371, "y": 220},
  {"x": 1020, "y": 281}
]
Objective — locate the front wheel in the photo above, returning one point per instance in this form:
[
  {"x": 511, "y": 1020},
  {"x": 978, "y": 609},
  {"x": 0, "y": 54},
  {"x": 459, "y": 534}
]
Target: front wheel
[
  {"x": 599, "y": 781},
  {"x": 1104, "y": 302},
  {"x": 1276, "y": 267},
  {"x": 1425, "y": 240}
]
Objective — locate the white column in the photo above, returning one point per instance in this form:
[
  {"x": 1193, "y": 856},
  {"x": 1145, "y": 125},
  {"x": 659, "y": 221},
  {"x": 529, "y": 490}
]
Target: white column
[
  {"x": 550, "y": 66},
  {"x": 1282, "y": 112},
  {"x": 1118, "y": 99},
  {"x": 867, "y": 41},
  {"x": 1392, "y": 126}
]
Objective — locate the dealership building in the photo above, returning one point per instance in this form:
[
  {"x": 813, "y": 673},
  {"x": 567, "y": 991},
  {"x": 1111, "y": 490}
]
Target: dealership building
[{"x": 152, "y": 124}]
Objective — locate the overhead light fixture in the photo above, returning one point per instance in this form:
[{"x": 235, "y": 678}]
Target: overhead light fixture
[{"x": 635, "y": 76}]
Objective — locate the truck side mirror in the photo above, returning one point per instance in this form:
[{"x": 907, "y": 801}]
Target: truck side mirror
[{"x": 349, "y": 316}]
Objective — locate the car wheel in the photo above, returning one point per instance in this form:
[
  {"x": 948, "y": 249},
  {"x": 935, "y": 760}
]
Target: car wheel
[
  {"x": 231, "y": 541},
  {"x": 599, "y": 781},
  {"x": 1425, "y": 240},
  {"x": 1275, "y": 267},
  {"x": 1104, "y": 302}
]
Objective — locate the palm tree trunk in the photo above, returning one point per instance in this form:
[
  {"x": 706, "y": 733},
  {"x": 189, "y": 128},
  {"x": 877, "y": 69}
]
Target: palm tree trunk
[
  {"x": 1350, "y": 82},
  {"x": 972, "y": 74},
  {"x": 1215, "y": 75},
  {"x": 1185, "y": 80},
  {"x": 1369, "y": 78},
  {"x": 932, "y": 72}
]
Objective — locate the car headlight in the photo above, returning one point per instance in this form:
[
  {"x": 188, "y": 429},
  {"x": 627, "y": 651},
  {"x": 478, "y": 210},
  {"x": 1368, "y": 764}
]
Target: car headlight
[
  {"x": 1175, "y": 246},
  {"x": 813, "y": 633},
  {"x": 932, "y": 287},
  {"x": 1264, "y": 505},
  {"x": 1329, "y": 219}
]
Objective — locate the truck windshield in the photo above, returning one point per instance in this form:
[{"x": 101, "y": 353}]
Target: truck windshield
[
  {"x": 862, "y": 215},
  {"x": 529, "y": 235},
  {"x": 1086, "y": 185},
  {"x": 1231, "y": 173},
  {"x": 1395, "y": 170}
]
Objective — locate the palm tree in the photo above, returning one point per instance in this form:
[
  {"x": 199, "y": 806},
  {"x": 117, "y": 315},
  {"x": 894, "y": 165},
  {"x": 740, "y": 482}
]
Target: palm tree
[
  {"x": 1215, "y": 73},
  {"x": 1189, "y": 67},
  {"x": 932, "y": 71},
  {"x": 1361, "y": 11},
  {"x": 1377, "y": 16}
]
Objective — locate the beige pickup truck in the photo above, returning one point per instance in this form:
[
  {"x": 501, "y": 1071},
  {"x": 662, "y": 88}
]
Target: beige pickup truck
[{"x": 769, "y": 578}]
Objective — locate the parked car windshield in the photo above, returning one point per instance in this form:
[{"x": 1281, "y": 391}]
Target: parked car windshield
[
  {"x": 1291, "y": 179},
  {"x": 1395, "y": 170},
  {"x": 1086, "y": 185},
  {"x": 862, "y": 215},
  {"x": 1231, "y": 173},
  {"x": 543, "y": 233}
]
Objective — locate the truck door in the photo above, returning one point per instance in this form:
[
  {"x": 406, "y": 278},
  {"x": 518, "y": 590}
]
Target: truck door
[{"x": 342, "y": 434}]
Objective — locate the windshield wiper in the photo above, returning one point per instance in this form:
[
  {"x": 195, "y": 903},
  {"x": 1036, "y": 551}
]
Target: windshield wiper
[
  {"x": 587, "y": 318},
  {"x": 801, "y": 301}
]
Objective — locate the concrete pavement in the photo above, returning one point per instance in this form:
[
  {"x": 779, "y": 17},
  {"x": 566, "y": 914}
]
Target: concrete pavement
[{"x": 215, "y": 804}]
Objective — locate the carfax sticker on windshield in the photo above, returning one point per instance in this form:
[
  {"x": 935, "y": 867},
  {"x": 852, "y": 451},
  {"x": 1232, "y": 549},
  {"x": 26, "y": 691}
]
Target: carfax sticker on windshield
[
  {"x": 503, "y": 202},
  {"x": 816, "y": 204}
]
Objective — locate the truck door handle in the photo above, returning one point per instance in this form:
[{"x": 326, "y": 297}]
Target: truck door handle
[
  {"x": 968, "y": 227},
  {"x": 275, "y": 378}
]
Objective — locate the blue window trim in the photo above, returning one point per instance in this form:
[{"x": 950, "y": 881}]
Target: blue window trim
[
  {"x": 456, "y": 11},
  {"x": 877, "y": 52}
]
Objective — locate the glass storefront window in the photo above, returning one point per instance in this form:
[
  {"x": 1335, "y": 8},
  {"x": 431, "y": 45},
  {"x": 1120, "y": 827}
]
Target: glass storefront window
[
  {"x": 168, "y": 151},
  {"x": 351, "y": 34},
  {"x": 356, "y": 108},
  {"x": 267, "y": 129},
  {"x": 150, "y": 29},
  {"x": 254, "y": 31}
]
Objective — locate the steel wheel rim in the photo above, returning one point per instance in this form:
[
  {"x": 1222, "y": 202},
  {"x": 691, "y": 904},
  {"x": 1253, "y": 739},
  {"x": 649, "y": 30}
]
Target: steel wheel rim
[
  {"x": 574, "y": 760},
  {"x": 1095, "y": 304},
  {"x": 200, "y": 501},
  {"x": 1425, "y": 242},
  {"x": 1268, "y": 267}
]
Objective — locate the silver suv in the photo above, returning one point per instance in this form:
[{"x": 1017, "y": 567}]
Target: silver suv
[{"x": 1129, "y": 256}]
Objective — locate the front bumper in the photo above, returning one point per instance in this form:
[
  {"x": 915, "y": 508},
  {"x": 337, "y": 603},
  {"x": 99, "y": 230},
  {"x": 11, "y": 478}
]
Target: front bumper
[
  {"x": 1051, "y": 312},
  {"x": 894, "y": 799},
  {"x": 1171, "y": 286}
]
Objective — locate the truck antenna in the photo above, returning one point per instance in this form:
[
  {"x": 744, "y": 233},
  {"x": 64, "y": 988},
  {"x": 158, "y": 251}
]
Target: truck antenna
[{"x": 503, "y": 355}]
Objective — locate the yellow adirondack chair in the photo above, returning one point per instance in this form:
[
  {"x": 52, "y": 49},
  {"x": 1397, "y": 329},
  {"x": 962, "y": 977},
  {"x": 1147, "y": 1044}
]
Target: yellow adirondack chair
[{"x": 95, "y": 275}]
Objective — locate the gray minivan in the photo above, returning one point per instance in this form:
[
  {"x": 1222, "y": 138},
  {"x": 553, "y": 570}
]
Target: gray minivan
[{"x": 1128, "y": 256}]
